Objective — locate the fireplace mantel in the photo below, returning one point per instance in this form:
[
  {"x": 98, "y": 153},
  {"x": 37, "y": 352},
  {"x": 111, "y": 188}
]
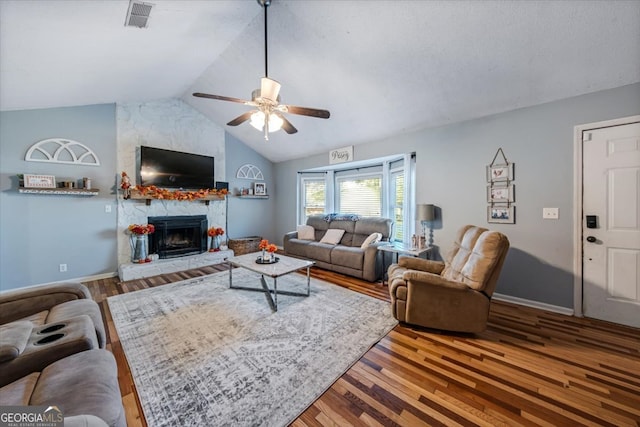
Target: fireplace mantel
[{"x": 137, "y": 195}]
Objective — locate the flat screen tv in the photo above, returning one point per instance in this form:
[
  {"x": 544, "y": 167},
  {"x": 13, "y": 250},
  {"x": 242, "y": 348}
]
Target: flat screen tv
[{"x": 175, "y": 169}]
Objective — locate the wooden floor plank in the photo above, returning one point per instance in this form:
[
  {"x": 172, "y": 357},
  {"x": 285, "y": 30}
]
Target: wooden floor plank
[{"x": 530, "y": 367}]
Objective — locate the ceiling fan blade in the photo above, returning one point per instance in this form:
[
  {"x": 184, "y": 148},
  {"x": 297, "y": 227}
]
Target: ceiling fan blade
[
  {"x": 241, "y": 118},
  {"x": 222, "y": 98},
  {"x": 304, "y": 111},
  {"x": 286, "y": 125}
]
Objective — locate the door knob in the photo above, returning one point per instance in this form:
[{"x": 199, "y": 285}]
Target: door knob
[{"x": 591, "y": 239}]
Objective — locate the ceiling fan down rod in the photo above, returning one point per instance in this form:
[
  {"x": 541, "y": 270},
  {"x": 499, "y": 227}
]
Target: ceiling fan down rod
[{"x": 265, "y": 4}]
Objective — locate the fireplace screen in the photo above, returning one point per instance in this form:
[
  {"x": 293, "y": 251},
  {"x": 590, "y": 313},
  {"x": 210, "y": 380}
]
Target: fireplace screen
[{"x": 177, "y": 236}]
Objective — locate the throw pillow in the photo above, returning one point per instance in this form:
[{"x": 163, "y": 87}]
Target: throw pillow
[
  {"x": 373, "y": 238},
  {"x": 306, "y": 232},
  {"x": 332, "y": 236}
]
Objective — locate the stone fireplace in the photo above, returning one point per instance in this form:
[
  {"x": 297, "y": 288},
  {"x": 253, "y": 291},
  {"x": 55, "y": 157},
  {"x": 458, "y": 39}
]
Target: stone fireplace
[
  {"x": 177, "y": 236},
  {"x": 180, "y": 239},
  {"x": 174, "y": 125}
]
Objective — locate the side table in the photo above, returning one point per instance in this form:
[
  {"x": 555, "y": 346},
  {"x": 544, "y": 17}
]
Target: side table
[{"x": 400, "y": 249}]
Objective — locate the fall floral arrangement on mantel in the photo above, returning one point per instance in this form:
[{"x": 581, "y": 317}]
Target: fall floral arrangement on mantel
[
  {"x": 153, "y": 192},
  {"x": 215, "y": 233}
]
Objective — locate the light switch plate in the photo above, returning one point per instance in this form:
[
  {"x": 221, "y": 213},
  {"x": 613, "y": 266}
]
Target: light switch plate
[{"x": 550, "y": 213}]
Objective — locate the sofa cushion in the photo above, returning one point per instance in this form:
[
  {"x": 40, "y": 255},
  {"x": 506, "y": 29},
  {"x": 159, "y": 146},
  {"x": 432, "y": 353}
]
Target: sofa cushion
[
  {"x": 37, "y": 319},
  {"x": 348, "y": 226},
  {"x": 332, "y": 236},
  {"x": 18, "y": 393},
  {"x": 347, "y": 256},
  {"x": 318, "y": 251},
  {"x": 297, "y": 247},
  {"x": 80, "y": 307},
  {"x": 84, "y": 421},
  {"x": 85, "y": 383},
  {"x": 13, "y": 339},
  {"x": 319, "y": 225},
  {"x": 365, "y": 227},
  {"x": 19, "y": 303},
  {"x": 45, "y": 346},
  {"x": 373, "y": 238},
  {"x": 306, "y": 232}
]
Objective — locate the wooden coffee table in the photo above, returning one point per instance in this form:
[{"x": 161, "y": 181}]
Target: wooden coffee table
[{"x": 285, "y": 265}]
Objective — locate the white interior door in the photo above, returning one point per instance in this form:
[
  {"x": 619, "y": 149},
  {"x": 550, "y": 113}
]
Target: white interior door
[{"x": 611, "y": 245}]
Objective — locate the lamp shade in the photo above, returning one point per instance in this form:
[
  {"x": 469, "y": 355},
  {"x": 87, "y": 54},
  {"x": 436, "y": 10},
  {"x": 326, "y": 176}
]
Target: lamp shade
[{"x": 425, "y": 212}]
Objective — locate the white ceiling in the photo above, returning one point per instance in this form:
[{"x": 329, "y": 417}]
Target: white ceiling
[{"x": 381, "y": 67}]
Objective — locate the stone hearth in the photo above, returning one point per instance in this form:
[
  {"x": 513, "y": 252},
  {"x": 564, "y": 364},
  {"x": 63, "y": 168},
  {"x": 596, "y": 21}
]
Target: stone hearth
[{"x": 130, "y": 271}]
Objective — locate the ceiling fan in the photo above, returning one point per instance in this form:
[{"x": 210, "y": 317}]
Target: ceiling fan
[{"x": 268, "y": 113}]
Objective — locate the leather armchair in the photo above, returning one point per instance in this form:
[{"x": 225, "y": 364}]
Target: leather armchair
[{"x": 454, "y": 295}]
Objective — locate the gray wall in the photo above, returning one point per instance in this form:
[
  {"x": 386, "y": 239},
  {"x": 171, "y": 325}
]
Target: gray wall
[
  {"x": 451, "y": 163},
  {"x": 39, "y": 232},
  {"x": 249, "y": 217}
]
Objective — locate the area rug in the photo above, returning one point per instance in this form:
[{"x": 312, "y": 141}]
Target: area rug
[{"x": 202, "y": 354}]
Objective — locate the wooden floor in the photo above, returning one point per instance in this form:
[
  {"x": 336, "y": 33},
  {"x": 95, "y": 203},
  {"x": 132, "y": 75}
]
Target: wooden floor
[{"x": 530, "y": 367}]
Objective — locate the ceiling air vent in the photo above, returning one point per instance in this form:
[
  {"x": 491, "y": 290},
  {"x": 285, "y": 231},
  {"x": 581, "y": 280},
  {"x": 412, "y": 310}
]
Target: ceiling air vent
[{"x": 138, "y": 14}]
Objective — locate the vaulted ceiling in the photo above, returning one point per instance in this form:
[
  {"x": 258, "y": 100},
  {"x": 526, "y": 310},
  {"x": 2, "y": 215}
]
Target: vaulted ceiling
[{"x": 381, "y": 67}]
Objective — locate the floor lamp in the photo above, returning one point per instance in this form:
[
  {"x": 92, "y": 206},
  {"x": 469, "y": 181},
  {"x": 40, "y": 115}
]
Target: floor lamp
[{"x": 426, "y": 214}]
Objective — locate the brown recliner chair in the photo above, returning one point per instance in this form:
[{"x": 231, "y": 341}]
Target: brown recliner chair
[{"x": 454, "y": 295}]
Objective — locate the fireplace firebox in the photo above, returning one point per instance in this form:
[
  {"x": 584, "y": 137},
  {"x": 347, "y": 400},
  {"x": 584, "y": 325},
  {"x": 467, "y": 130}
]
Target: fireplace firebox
[{"x": 177, "y": 236}]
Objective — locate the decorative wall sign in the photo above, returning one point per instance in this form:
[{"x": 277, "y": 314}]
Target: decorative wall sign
[
  {"x": 249, "y": 171},
  {"x": 341, "y": 155},
  {"x": 39, "y": 181},
  {"x": 500, "y": 191},
  {"x": 60, "y": 150}
]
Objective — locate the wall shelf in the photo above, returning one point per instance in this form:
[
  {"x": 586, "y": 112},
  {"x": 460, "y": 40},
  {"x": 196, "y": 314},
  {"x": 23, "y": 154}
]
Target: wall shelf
[
  {"x": 261, "y": 196},
  {"x": 60, "y": 191}
]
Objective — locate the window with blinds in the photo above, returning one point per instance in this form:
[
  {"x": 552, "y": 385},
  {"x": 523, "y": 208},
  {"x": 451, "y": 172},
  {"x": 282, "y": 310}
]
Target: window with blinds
[
  {"x": 314, "y": 196},
  {"x": 397, "y": 203},
  {"x": 381, "y": 188},
  {"x": 360, "y": 195}
]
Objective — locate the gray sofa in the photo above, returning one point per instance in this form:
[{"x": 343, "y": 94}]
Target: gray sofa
[
  {"x": 346, "y": 257},
  {"x": 52, "y": 353}
]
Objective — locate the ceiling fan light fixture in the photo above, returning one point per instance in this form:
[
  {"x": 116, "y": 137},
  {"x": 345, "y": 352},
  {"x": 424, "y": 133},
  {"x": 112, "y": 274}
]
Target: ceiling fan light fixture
[
  {"x": 267, "y": 116},
  {"x": 258, "y": 121},
  {"x": 269, "y": 89}
]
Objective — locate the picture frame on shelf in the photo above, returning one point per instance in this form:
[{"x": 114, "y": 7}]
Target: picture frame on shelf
[
  {"x": 498, "y": 173},
  {"x": 259, "y": 188},
  {"x": 500, "y": 193},
  {"x": 501, "y": 214},
  {"x": 39, "y": 181}
]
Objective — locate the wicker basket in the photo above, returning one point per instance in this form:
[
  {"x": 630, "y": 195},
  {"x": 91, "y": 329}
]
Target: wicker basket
[{"x": 245, "y": 245}]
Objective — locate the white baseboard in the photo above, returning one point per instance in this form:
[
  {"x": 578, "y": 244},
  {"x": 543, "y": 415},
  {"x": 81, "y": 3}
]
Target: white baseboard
[
  {"x": 86, "y": 278},
  {"x": 75, "y": 279},
  {"x": 534, "y": 304}
]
